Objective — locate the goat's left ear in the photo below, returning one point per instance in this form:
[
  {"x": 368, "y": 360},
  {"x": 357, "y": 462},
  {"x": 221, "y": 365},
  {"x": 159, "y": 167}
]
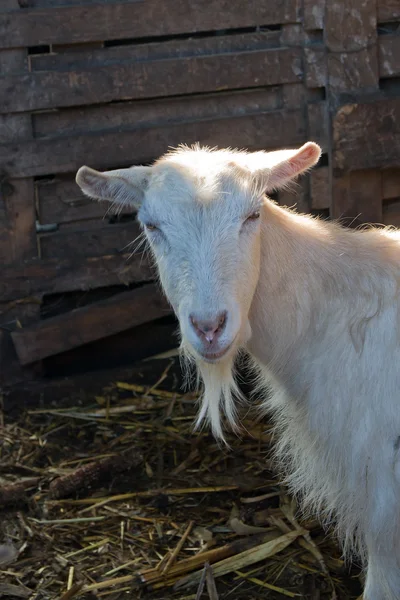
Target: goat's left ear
[
  {"x": 285, "y": 165},
  {"x": 122, "y": 186}
]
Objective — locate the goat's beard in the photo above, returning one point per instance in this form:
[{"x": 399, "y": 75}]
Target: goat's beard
[{"x": 220, "y": 391}]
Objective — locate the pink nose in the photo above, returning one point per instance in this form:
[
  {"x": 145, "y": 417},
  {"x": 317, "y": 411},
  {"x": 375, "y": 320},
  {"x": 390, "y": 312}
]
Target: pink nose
[{"x": 209, "y": 329}]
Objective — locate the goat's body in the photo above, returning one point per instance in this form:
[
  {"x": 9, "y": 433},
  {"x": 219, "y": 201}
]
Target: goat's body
[
  {"x": 315, "y": 305},
  {"x": 329, "y": 347}
]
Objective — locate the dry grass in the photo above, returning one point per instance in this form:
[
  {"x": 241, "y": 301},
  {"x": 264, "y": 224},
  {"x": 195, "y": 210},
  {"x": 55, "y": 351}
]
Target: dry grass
[{"x": 115, "y": 497}]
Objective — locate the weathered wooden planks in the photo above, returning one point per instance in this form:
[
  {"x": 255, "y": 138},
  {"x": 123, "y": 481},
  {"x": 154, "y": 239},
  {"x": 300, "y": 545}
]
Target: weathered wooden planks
[
  {"x": 367, "y": 136},
  {"x": 389, "y": 56},
  {"x": 84, "y": 241},
  {"x": 388, "y": 10},
  {"x": 93, "y": 322},
  {"x": 149, "y": 79},
  {"x": 54, "y": 275},
  {"x": 135, "y": 19},
  {"x": 117, "y": 148}
]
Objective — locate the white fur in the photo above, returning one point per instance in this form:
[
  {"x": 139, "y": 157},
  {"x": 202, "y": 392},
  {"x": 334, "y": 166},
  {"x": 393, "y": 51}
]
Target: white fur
[{"x": 317, "y": 309}]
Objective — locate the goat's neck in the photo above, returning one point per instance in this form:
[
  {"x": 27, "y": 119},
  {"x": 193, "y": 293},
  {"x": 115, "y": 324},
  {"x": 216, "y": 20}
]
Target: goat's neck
[{"x": 292, "y": 288}]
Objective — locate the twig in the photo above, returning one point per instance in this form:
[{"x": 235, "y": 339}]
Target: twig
[
  {"x": 91, "y": 474},
  {"x": 14, "y": 493},
  {"x": 178, "y": 548},
  {"x": 210, "y": 581}
]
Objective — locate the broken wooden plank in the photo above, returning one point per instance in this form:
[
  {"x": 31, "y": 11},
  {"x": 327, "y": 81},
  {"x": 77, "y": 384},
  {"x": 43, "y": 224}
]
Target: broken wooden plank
[
  {"x": 367, "y": 136},
  {"x": 149, "y": 79},
  {"x": 114, "y": 21},
  {"x": 55, "y": 275},
  {"x": 104, "y": 150},
  {"x": 96, "y": 321}
]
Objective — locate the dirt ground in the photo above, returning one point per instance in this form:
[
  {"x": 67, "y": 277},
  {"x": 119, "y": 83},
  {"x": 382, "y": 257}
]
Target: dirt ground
[{"x": 106, "y": 492}]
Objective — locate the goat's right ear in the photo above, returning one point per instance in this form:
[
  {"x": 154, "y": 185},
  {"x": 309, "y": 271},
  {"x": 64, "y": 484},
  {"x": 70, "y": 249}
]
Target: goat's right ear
[{"x": 121, "y": 187}]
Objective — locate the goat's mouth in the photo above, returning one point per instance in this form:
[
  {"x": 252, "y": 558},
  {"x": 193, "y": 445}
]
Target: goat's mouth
[{"x": 214, "y": 357}]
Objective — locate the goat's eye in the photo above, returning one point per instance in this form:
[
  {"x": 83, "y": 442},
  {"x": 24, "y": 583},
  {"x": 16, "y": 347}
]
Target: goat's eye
[
  {"x": 253, "y": 217},
  {"x": 151, "y": 227}
]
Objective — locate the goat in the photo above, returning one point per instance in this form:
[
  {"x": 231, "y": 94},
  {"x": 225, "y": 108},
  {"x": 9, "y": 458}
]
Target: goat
[{"x": 316, "y": 308}]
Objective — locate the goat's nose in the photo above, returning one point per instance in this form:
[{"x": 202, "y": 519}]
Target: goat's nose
[{"x": 209, "y": 329}]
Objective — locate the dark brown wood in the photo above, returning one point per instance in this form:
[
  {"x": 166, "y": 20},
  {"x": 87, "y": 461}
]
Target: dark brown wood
[
  {"x": 86, "y": 57},
  {"x": 350, "y": 37},
  {"x": 357, "y": 198},
  {"x": 96, "y": 321},
  {"x": 52, "y": 276},
  {"x": 150, "y": 79},
  {"x": 314, "y": 12},
  {"x": 391, "y": 213},
  {"x": 316, "y": 66},
  {"x": 270, "y": 130},
  {"x": 158, "y": 112},
  {"x": 367, "y": 136},
  {"x": 389, "y": 56},
  {"x": 318, "y": 124},
  {"x": 97, "y": 241},
  {"x": 391, "y": 183},
  {"x": 112, "y": 21},
  {"x": 17, "y": 199},
  {"x": 320, "y": 189},
  {"x": 388, "y": 10}
]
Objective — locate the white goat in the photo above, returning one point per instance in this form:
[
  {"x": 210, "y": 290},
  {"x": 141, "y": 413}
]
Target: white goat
[{"x": 316, "y": 306}]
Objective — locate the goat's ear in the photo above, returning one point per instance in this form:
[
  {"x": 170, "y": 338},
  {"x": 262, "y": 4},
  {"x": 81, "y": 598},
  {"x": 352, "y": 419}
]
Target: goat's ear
[
  {"x": 285, "y": 165},
  {"x": 122, "y": 186}
]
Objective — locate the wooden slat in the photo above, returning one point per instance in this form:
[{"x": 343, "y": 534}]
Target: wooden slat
[
  {"x": 152, "y": 79},
  {"x": 316, "y": 66},
  {"x": 96, "y": 241},
  {"x": 388, "y": 10},
  {"x": 357, "y": 197},
  {"x": 389, "y": 55},
  {"x": 86, "y": 57},
  {"x": 55, "y": 275},
  {"x": 154, "y": 113},
  {"x": 61, "y": 201},
  {"x": 113, "y": 21},
  {"x": 319, "y": 124},
  {"x": 17, "y": 200},
  {"x": 391, "y": 183},
  {"x": 319, "y": 188},
  {"x": 391, "y": 213},
  {"x": 93, "y": 322},
  {"x": 314, "y": 11},
  {"x": 367, "y": 136},
  {"x": 350, "y": 36},
  {"x": 270, "y": 130}
]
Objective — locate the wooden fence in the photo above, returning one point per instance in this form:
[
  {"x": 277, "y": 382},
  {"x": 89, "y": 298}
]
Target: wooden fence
[{"x": 111, "y": 84}]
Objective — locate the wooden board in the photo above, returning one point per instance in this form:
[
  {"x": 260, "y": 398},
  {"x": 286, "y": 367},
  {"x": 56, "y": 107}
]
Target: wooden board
[
  {"x": 320, "y": 189},
  {"x": 98, "y": 240},
  {"x": 389, "y": 55},
  {"x": 367, "y": 136},
  {"x": 93, "y": 322},
  {"x": 357, "y": 198},
  {"x": 388, "y": 10},
  {"x": 270, "y": 130},
  {"x": 149, "y": 79},
  {"x": 86, "y": 56},
  {"x": 157, "y": 112},
  {"x": 61, "y": 201},
  {"x": 120, "y": 20},
  {"x": 55, "y": 275},
  {"x": 390, "y": 183},
  {"x": 391, "y": 213}
]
